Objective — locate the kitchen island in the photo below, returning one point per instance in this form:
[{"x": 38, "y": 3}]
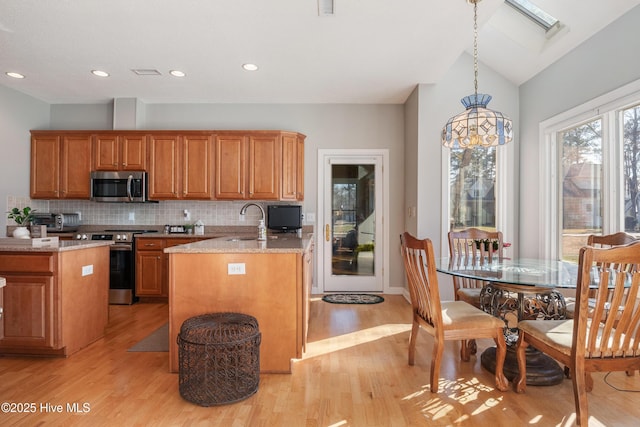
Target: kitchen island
[
  {"x": 270, "y": 280},
  {"x": 55, "y": 301}
]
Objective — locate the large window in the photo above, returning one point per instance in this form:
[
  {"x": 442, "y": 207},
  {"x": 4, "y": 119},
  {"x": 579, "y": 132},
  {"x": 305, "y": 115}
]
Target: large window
[
  {"x": 592, "y": 180},
  {"x": 581, "y": 172},
  {"x": 472, "y": 183}
]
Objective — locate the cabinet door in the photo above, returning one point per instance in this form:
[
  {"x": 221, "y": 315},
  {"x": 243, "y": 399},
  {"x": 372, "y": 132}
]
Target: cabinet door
[
  {"x": 289, "y": 167},
  {"x": 149, "y": 273},
  {"x": 265, "y": 163},
  {"x": 164, "y": 167},
  {"x": 300, "y": 166},
  {"x": 107, "y": 157},
  {"x": 197, "y": 176},
  {"x": 75, "y": 169},
  {"x": 231, "y": 167},
  {"x": 133, "y": 149},
  {"x": 45, "y": 166},
  {"x": 28, "y": 313}
]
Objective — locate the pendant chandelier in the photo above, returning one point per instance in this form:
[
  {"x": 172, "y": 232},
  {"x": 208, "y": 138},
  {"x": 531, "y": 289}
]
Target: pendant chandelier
[{"x": 477, "y": 126}]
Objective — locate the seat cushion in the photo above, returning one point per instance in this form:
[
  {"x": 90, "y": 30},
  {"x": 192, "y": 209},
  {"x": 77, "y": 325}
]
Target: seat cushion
[
  {"x": 556, "y": 333},
  {"x": 462, "y": 315},
  {"x": 470, "y": 295}
]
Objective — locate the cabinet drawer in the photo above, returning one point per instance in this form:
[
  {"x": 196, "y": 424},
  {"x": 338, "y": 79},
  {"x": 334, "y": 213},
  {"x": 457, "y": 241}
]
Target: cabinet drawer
[
  {"x": 146, "y": 244},
  {"x": 27, "y": 263}
]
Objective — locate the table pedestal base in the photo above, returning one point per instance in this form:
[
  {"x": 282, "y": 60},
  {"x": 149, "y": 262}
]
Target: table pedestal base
[{"x": 541, "y": 369}]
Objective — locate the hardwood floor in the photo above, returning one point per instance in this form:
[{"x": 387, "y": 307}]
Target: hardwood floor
[{"x": 355, "y": 373}]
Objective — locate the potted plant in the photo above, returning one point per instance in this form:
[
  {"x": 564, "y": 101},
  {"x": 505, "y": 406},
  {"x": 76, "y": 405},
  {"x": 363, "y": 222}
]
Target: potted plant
[{"x": 23, "y": 218}]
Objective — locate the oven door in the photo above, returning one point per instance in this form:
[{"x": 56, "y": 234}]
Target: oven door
[{"x": 122, "y": 275}]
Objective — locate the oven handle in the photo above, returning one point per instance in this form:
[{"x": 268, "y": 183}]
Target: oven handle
[{"x": 128, "y": 248}]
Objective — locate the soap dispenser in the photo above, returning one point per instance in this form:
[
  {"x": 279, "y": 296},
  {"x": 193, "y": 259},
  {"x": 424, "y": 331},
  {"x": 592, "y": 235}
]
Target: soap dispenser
[{"x": 262, "y": 230}]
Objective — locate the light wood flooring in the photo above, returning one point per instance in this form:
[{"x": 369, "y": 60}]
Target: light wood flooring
[{"x": 354, "y": 373}]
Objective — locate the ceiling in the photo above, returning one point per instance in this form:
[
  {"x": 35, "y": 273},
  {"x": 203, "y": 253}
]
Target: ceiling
[{"x": 369, "y": 51}]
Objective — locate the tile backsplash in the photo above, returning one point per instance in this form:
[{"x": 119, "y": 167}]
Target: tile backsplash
[{"x": 165, "y": 212}]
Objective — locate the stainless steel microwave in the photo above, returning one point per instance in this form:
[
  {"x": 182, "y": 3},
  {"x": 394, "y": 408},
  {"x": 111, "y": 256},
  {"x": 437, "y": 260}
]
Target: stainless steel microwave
[{"x": 119, "y": 186}]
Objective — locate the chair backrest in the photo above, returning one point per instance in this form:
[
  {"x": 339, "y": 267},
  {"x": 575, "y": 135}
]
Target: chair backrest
[
  {"x": 474, "y": 242},
  {"x": 419, "y": 264},
  {"x": 609, "y": 240},
  {"x": 610, "y": 277}
]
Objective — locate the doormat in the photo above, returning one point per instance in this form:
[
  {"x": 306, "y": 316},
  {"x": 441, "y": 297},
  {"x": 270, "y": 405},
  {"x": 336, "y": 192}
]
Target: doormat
[
  {"x": 158, "y": 340},
  {"x": 352, "y": 299}
]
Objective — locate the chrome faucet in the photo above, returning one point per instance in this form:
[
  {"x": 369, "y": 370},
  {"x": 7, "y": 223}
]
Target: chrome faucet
[
  {"x": 244, "y": 209},
  {"x": 262, "y": 230}
]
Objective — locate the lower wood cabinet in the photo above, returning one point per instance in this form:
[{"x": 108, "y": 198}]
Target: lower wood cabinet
[
  {"x": 49, "y": 306},
  {"x": 152, "y": 265}
]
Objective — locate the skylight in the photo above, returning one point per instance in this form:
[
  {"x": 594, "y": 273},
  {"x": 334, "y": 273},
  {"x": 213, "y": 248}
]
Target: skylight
[{"x": 534, "y": 13}]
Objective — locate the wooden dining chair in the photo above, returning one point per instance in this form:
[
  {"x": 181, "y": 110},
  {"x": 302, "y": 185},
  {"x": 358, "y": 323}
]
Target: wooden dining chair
[
  {"x": 444, "y": 320},
  {"x": 603, "y": 336},
  {"x": 477, "y": 244},
  {"x": 473, "y": 243},
  {"x": 600, "y": 241}
]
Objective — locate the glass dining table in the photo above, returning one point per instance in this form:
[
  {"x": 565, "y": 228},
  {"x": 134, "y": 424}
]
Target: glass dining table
[{"x": 517, "y": 289}]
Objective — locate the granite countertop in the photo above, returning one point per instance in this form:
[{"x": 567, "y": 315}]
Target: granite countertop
[
  {"x": 246, "y": 243},
  {"x": 9, "y": 245}
]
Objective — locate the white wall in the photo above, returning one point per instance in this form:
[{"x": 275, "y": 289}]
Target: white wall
[
  {"x": 605, "y": 62},
  {"x": 18, "y": 114}
]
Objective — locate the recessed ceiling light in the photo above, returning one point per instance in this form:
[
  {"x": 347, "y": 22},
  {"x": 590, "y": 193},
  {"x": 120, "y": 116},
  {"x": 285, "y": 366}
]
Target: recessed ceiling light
[
  {"x": 250, "y": 67},
  {"x": 99, "y": 73},
  {"x": 177, "y": 73},
  {"x": 14, "y": 75}
]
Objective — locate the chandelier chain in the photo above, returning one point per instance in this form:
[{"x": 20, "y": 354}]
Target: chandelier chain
[{"x": 475, "y": 47}]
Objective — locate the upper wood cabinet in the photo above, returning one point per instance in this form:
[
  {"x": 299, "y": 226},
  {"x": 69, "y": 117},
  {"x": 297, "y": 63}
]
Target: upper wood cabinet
[
  {"x": 180, "y": 166},
  {"x": 61, "y": 165},
  {"x": 292, "y": 166},
  {"x": 195, "y": 165},
  {"x": 120, "y": 152},
  {"x": 258, "y": 165}
]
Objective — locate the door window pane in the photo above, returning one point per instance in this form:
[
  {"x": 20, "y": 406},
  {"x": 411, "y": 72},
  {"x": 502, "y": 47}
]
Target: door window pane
[
  {"x": 472, "y": 180},
  {"x": 581, "y": 173},
  {"x": 353, "y": 219},
  {"x": 631, "y": 167}
]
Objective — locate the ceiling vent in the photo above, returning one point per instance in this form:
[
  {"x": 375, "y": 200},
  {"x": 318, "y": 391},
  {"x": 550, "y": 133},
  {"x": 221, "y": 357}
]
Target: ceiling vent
[
  {"x": 146, "y": 72},
  {"x": 325, "y": 7}
]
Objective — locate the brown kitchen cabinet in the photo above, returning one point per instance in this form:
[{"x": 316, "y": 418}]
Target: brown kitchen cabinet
[
  {"x": 115, "y": 151},
  {"x": 152, "y": 265},
  {"x": 258, "y": 165},
  {"x": 292, "y": 166},
  {"x": 49, "y": 307},
  {"x": 61, "y": 165},
  {"x": 180, "y": 166}
]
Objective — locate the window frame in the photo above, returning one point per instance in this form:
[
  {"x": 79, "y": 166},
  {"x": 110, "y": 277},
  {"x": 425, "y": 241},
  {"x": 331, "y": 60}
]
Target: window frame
[{"x": 608, "y": 108}]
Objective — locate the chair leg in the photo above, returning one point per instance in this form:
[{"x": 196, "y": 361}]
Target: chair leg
[
  {"x": 588, "y": 379},
  {"x": 436, "y": 358},
  {"x": 464, "y": 351},
  {"x": 467, "y": 349},
  {"x": 501, "y": 352},
  {"x": 412, "y": 342},
  {"x": 580, "y": 384},
  {"x": 520, "y": 381}
]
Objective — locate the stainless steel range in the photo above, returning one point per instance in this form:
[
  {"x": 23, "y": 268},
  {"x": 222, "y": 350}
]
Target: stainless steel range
[{"x": 122, "y": 277}]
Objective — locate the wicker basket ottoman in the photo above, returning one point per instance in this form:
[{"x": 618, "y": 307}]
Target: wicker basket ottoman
[{"x": 219, "y": 358}]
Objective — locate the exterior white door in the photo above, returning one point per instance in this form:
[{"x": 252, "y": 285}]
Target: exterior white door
[{"x": 351, "y": 199}]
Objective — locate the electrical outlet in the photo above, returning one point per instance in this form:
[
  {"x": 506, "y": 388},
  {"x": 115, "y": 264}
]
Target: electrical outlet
[
  {"x": 234, "y": 268},
  {"x": 132, "y": 216},
  {"x": 311, "y": 217},
  {"x": 87, "y": 270}
]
